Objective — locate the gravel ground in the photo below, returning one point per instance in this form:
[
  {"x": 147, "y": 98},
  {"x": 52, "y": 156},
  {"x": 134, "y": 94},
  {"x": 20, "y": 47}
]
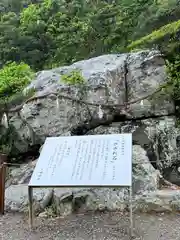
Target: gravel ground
[{"x": 91, "y": 227}]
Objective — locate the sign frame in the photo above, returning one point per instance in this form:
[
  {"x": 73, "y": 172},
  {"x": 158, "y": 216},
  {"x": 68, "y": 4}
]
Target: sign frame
[{"x": 31, "y": 187}]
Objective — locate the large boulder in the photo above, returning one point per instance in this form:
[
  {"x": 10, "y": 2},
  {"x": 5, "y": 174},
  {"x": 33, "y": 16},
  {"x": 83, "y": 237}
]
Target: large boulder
[{"x": 109, "y": 80}]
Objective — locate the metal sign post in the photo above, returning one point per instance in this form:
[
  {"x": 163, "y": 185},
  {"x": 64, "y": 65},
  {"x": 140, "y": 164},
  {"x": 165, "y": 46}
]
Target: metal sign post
[
  {"x": 30, "y": 196},
  {"x": 131, "y": 233},
  {"x": 84, "y": 161}
]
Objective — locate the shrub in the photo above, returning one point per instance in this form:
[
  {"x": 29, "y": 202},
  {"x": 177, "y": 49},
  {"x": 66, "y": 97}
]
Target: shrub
[
  {"x": 73, "y": 78},
  {"x": 13, "y": 79}
]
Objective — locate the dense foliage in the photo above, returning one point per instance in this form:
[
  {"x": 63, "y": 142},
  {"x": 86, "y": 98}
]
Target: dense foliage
[
  {"x": 158, "y": 37},
  {"x": 49, "y": 33}
]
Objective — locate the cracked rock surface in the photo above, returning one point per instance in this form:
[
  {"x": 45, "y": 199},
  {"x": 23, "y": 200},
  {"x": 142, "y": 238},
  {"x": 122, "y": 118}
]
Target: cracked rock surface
[{"x": 110, "y": 79}]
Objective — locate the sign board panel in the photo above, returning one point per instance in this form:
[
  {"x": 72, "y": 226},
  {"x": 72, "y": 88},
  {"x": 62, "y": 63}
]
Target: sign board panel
[{"x": 90, "y": 160}]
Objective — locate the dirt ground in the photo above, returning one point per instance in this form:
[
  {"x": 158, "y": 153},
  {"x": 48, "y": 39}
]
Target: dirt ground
[{"x": 100, "y": 226}]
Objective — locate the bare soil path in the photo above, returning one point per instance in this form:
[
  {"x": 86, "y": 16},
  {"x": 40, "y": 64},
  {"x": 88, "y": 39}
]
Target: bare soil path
[{"x": 100, "y": 226}]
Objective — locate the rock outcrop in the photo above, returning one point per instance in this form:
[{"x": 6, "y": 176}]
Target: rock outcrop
[
  {"x": 121, "y": 94},
  {"x": 64, "y": 201},
  {"x": 110, "y": 82},
  {"x": 110, "y": 79}
]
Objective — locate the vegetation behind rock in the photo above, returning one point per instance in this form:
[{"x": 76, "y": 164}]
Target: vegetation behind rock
[{"x": 50, "y": 33}]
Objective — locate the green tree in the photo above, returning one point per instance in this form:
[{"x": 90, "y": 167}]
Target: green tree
[
  {"x": 9, "y": 35},
  {"x": 47, "y": 33}
]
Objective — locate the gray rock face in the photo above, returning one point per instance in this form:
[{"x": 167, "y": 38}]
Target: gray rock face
[
  {"x": 21, "y": 175},
  {"x": 67, "y": 200},
  {"x": 16, "y": 198},
  {"x": 145, "y": 177},
  {"x": 110, "y": 79},
  {"x": 146, "y": 72},
  {"x": 157, "y": 137},
  {"x": 146, "y": 195},
  {"x": 159, "y": 201},
  {"x": 16, "y": 194}
]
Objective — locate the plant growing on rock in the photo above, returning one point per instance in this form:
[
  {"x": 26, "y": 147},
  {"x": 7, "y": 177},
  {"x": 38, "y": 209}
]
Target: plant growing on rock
[{"x": 73, "y": 78}]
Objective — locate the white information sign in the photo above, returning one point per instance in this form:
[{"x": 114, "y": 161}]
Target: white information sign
[{"x": 91, "y": 160}]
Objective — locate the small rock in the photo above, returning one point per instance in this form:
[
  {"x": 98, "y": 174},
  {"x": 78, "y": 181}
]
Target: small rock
[
  {"x": 158, "y": 201},
  {"x": 16, "y": 198},
  {"x": 145, "y": 176},
  {"x": 62, "y": 201},
  {"x": 43, "y": 215}
]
